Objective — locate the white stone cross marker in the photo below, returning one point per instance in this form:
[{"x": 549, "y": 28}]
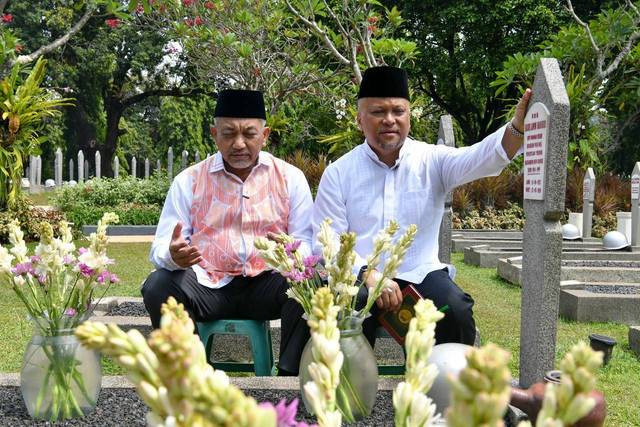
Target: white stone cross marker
[
  {"x": 635, "y": 208},
  {"x": 588, "y": 195}
]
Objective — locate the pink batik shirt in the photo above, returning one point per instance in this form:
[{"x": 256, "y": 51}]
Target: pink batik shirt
[{"x": 223, "y": 215}]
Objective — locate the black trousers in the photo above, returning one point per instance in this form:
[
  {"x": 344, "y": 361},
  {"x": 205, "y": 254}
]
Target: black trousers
[
  {"x": 457, "y": 325},
  {"x": 258, "y": 298}
]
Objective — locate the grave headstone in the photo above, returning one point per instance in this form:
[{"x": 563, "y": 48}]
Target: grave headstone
[
  {"x": 146, "y": 168},
  {"x": 58, "y": 167},
  {"x": 588, "y": 196},
  {"x": 86, "y": 170},
  {"x": 158, "y": 166},
  {"x": 32, "y": 171},
  {"x": 170, "y": 163},
  {"x": 635, "y": 208},
  {"x": 545, "y": 147},
  {"x": 98, "y": 164},
  {"x": 71, "y": 169},
  {"x": 116, "y": 167},
  {"x": 38, "y": 171},
  {"x": 446, "y": 137},
  {"x": 80, "y": 167},
  {"x": 197, "y": 157},
  {"x": 134, "y": 166},
  {"x": 184, "y": 161}
]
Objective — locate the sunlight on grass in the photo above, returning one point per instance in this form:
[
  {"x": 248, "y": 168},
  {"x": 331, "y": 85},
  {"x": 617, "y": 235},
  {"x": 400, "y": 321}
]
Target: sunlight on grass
[{"x": 497, "y": 313}]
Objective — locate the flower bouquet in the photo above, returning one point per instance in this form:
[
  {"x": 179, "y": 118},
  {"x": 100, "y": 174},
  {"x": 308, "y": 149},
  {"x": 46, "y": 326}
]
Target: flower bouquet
[
  {"x": 358, "y": 375},
  {"x": 59, "y": 379},
  {"x": 172, "y": 376}
]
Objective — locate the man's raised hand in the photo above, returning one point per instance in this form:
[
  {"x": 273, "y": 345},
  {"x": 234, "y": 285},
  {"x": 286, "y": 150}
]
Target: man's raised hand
[{"x": 183, "y": 254}]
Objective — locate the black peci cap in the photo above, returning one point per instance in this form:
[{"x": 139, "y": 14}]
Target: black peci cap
[
  {"x": 244, "y": 104},
  {"x": 384, "y": 82}
]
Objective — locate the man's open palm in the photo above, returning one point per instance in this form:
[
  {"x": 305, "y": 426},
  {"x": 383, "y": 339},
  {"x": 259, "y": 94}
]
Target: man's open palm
[{"x": 183, "y": 254}]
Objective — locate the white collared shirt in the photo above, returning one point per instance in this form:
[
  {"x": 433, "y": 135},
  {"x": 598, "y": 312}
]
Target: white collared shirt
[
  {"x": 177, "y": 207},
  {"x": 362, "y": 194}
]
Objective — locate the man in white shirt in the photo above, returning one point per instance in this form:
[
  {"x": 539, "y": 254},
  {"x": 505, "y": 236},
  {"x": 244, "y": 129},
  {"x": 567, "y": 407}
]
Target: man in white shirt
[
  {"x": 203, "y": 248},
  {"x": 391, "y": 176}
]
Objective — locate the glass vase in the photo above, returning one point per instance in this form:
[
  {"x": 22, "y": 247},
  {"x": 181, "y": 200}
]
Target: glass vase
[
  {"x": 356, "y": 393},
  {"x": 60, "y": 378}
]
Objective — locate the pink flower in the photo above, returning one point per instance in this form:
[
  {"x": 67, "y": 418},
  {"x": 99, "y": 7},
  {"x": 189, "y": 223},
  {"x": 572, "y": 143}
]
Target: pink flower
[
  {"x": 67, "y": 259},
  {"x": 35, "y": 259},
  {"x": 198, "y": 20},
  {"x": 139, "y": 8},
  {"x": 82, "y": 250},
  {"x": 70, "y": 312},
  {"x": 7, "y": 17},
  {"x": 187, "y": 3},
  {"x": 189, "y": 22},
  {"x": 295, "y": 276},
  {"x": 42, "y": 279},
  {"x": 209, "y": 5},
  {"x": 311, "y": 260},
  {"x": 113, "y": 23},
  {"x": 292, "y": 247},
  {"x": 23, "y": 269},
  {"x": 85, "y": 270},
  {"x": 285, "y": 414},
  {"x": 105, "y": 276}
]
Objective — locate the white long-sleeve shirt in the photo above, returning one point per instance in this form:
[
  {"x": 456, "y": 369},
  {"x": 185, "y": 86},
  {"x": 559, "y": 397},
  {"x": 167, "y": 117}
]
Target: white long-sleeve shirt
[
  {"x": 362, "y": 194},
  {"x": 177, "y": 207}
]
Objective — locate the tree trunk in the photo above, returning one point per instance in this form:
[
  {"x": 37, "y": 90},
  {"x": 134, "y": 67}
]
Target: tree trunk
[{"x": 114, "y": 110}]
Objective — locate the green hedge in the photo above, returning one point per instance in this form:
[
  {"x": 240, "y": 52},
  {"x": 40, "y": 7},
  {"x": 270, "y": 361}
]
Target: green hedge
[{"x": 136, "y": 201}]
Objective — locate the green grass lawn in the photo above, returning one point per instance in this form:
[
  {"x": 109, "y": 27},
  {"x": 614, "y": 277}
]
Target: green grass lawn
[
  {"x": 497, "y": 313},
  {"x": 42, "y": 198}
]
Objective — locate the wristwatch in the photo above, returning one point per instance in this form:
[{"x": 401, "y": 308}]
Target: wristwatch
[{"x": 511, "y": 128}]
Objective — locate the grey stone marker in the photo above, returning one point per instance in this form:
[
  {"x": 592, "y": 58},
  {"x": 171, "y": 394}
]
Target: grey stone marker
[
  {"x": 184, "y": 161},
  {"x": 71, "y": 169},
  {"x": 635, "y": 208},
  {"x": 545, "y": 164},
  {"x": 86, "y": 170},
  {"x": 588, "y": 195},
  {"x": 116, "y": 167},
  {"x": 98, "y": 164},
  {"x": 59, "y": 167},
  {"x": 134, "y": 166},
  {"x": 38, "y": 171},
  {"x": 32, "y": 171},
  {"x": 80, "y": 166},
  {"x": 158, "y": 165},
  {"x": 197, "y": 157},
  {"x": 170, "y": 163},
  {"x": 446, "y": 137},
  {"x": 146, "y": 168}
]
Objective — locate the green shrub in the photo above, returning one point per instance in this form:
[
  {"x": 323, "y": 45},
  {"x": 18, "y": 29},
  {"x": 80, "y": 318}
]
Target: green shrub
[
  {"x": 30, "y": 218},
  {"x": 511, "y": 218},
  {"x": 136, "y": 201},
  {"x": 604, "y": 223}
]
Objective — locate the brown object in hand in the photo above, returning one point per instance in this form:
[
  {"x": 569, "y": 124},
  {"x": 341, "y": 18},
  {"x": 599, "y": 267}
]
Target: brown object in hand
[{"x": 530, "y": 400}]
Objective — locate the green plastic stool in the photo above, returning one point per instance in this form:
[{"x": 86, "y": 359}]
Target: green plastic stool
[{"x": 259, "y": 335}]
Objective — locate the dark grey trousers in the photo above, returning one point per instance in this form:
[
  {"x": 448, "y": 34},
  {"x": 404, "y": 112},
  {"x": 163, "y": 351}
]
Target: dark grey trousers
[{"x": 259, "y": 298}]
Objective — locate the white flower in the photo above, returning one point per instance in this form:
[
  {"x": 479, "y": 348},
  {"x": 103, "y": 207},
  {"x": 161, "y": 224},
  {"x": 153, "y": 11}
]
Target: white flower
[
  {"x": 19, "y": 281},
  {"x": 416, "y": 113},
  {"x": 5, "y": 260}
]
